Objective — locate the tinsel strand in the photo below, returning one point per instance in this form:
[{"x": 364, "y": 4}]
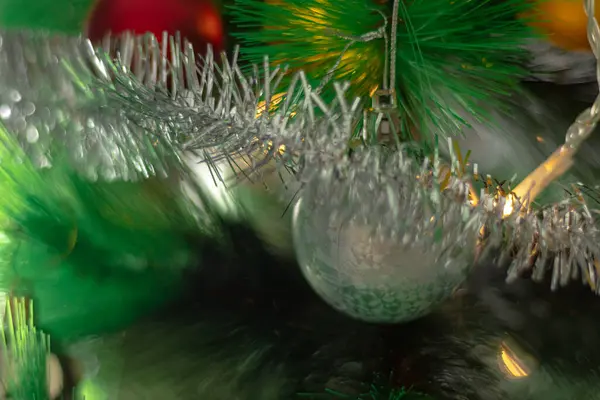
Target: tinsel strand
[
  {"x": 587, "y": 121},
  {"x": 566, "y": 235},
  {"x": 195, "y": 104}
]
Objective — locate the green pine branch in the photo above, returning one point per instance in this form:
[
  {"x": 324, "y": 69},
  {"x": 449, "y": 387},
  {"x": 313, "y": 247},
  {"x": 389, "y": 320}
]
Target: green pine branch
[
  {"x": 451, "y": 55},
  {"x": 67, "y": 16},
  {"x": 377, "y": 391}
]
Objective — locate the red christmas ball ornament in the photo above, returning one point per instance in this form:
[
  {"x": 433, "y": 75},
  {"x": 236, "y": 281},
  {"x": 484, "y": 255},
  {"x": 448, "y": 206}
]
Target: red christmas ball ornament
[{"x": 198, "y": 21}]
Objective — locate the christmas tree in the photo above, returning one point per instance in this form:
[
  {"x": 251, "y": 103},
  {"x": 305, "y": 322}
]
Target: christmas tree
[{"x": 299, "y": 199}]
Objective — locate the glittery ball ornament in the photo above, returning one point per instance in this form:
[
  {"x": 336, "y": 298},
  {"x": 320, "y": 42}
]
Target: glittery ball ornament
[
  {"x": 379, "y": 250},
  {"x": 198, "y": 21}
]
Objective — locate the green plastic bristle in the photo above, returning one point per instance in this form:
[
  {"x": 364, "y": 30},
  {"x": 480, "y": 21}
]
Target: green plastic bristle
[
  {"x": 380, "y": 389},
  {"x": 66, "y": 16},
  {"x": 451, "y": 55},
  {"x": 25, "y": 352},
  {"x": 376, "y": 393},
  {"x": 82, "y": 249}
]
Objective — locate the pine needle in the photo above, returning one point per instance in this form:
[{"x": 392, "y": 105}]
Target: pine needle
[
  {"x": 377, "y": 392},
  {"x": 450, "y": 54}
]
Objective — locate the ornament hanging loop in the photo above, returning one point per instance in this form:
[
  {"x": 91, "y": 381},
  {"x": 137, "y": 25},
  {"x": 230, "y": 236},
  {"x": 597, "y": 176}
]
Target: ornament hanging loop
[
  {"x": 387, "y": 120},
  {"x": 384, "y": 101}
]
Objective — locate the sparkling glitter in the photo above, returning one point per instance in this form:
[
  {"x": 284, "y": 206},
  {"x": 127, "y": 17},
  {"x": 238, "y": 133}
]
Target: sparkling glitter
[
  {"x": 32, "y": 134},
  {"x": 5, "y": 111}
]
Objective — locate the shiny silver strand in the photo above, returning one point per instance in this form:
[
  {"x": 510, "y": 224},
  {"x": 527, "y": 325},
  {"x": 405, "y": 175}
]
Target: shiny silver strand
[
  {"x": 587, "y": 121},
  {"x": 63, "y": 99},
  {"x": 130, "y": 111},
  {"x": 563, "y": 238}
]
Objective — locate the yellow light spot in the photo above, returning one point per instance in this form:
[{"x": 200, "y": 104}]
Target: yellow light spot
[
  {"x": 275, "y": 101},
  {"x": 482, "y": 231},
  {"x": 509, "y": 205},
  {"x": 511, "y": 364},
  {"x": 372, "y": 92},
  {"x": 473, "y": 198},
  {"x": 360, "y": 64},
  {"x": 512, "y": 367},
  {"x": 539, "y": 139}
]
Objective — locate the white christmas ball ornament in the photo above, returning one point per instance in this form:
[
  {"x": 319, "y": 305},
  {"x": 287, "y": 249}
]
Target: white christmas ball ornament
[{"x": 372, "y": 268}]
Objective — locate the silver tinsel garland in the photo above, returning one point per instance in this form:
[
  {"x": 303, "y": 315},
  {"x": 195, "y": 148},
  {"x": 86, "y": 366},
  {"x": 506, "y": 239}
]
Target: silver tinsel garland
[{"x": 133, "y": 115}]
